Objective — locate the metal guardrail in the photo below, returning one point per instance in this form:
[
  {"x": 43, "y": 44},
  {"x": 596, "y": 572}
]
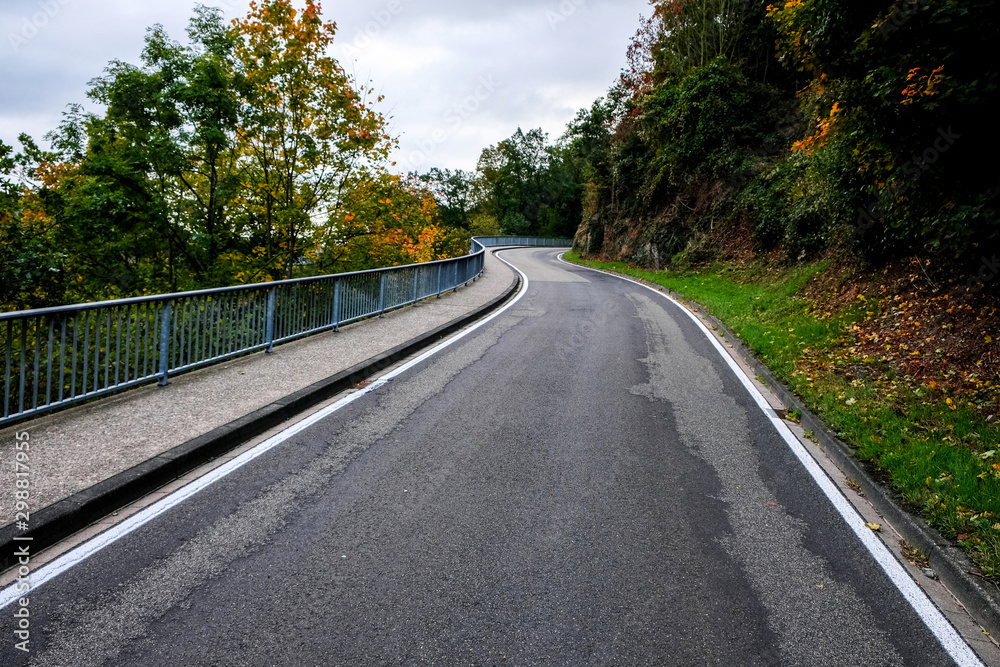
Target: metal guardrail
[
  {"x": 533, "y": 241},
  {"x": 53, "y": 357}
]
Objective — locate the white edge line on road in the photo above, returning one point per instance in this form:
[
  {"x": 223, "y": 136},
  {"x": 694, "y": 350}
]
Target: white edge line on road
[
  {"x": 81, "y": 553},
  {"x": 945, "y": 632}
]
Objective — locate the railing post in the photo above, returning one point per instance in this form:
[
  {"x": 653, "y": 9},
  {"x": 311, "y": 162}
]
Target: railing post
[
  {"x": 381, "y": 296},
  {"x": 165, "y": 316},
  {"x": 336, "y": 305},
  {"x": 439, "y": 281},
  {"x": 269, "y": 327},
  {"x": 416, "y": 283}
]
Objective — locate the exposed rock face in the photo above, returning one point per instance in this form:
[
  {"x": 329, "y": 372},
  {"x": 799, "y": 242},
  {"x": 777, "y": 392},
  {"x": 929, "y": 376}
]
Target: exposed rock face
[{"x": 688, "y": 223}]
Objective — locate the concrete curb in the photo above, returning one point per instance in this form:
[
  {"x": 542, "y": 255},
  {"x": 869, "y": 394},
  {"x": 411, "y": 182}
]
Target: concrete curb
[
  {"x": 954, "y": 568},
  {"x": 65, "y": 517}
]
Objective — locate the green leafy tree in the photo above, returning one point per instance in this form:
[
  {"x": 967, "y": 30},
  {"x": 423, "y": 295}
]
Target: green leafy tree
[
  {"x": 454, "y": 192},
  {"x": 528, "y": 187},
  {"x": 167, "y": 143}
]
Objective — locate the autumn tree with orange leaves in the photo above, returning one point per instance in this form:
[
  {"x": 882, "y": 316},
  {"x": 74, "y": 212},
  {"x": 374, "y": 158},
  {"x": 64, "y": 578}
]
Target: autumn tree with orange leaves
[
  {"x": 387, "y": 221},
  {"x": 307, "y": 134}
]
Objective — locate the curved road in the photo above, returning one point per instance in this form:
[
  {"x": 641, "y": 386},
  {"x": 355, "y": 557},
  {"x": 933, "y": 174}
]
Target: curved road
[{"x": 581, "y": 481}]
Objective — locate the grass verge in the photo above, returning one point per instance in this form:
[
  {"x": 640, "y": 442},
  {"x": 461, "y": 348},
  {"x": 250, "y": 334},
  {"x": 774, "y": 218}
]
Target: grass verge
[{"x": 938, "y": 454}]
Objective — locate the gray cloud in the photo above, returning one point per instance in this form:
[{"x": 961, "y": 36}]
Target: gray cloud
[{"x": 430, "y": 58}]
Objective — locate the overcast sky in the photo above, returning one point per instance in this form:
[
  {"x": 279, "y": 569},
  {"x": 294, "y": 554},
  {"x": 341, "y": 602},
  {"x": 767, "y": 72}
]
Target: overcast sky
[{"x": 457, "y": 75}]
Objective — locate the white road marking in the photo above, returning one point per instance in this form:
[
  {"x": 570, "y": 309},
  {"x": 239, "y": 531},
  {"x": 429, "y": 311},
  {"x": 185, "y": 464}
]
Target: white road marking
[
  {"x": 943, "y": 630},
  {"x": 90, "y": 547}
]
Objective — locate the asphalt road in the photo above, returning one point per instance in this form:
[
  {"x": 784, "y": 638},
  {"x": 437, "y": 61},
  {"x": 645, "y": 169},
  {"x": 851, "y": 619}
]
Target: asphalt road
[{"x": 582, "y": 481}]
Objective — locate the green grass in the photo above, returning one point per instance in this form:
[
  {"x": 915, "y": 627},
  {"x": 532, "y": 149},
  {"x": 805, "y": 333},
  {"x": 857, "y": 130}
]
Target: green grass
[{"x": 938, "y": 457}]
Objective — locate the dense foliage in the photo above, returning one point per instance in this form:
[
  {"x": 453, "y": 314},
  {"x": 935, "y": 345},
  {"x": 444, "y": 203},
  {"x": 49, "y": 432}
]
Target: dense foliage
[
  {"x": 246, "y": 155},
  {"x": 528, "y": 188},
  {"x": 806, "y": 126}
]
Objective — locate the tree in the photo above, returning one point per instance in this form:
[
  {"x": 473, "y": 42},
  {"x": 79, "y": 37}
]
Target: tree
[
  {"x": 168, "y": 138},
  {"x": 528, "y": 187},
  {"x": 510, "y": 180},
  {"x": 682, "y": 35},
  {"x": 31, "y": 267},
  {"x": 387, "y": 221},
  {"x": 306, "y": 135},
  {"x": 888, "y": 84},
  {"x": 453, "y": 191}
]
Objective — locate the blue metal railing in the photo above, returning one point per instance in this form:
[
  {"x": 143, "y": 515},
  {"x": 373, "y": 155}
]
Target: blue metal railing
[
  {"x": 53, "y": 357},
  {"x": 533, "y": 241}
]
